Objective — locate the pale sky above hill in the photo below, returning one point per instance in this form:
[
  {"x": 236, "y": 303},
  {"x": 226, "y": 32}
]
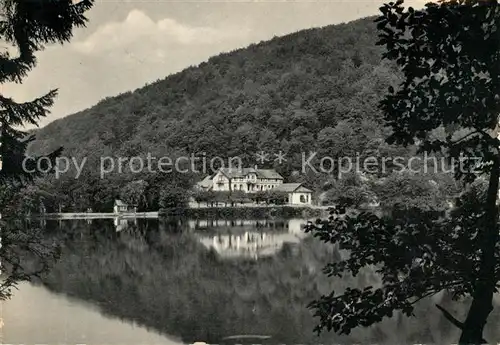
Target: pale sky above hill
[{"x": 129, "y": 43}]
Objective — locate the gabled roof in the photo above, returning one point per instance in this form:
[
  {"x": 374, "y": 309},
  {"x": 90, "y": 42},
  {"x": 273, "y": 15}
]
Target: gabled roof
[
  {"x": 206, "y": 182},
  {"x": 303, "y": 189},
  {"x": 119, "y": 203},
  {"x": 291, "y": 188},
  {"x": 269, "y": 173},
  {"x": 233, "y": 172},
  {"x": 261, "y": 173}
]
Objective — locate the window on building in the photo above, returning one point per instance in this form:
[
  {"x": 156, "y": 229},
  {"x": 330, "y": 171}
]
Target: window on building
[{"x": 302, "y": 198}]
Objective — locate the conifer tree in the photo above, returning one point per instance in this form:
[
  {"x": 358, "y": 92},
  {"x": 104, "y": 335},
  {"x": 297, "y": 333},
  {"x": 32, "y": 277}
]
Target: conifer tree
[{"x": 28, "y": 26}]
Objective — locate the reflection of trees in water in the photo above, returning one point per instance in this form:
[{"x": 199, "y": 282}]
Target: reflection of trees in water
[
  {"x": 25, "y": 253},
  {"x": 173, "y": 284}
]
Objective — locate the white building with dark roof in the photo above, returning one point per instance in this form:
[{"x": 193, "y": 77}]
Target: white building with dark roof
[
  {"x": 296, "y": 193},
  {"x": 248, "y": 180},
  {"x": 252, "y": 180},
  {"x": 120, "y": 206}
]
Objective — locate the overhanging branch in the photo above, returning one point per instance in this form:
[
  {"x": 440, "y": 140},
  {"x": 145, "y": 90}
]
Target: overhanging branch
[
  {"x": 464, "y": 137},
  {"x": 450, "y": 317}
]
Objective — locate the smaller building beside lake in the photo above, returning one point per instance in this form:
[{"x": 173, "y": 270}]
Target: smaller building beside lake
[
  {"x": 296, "y": 193},
  {"x": 121, "y": 207}
]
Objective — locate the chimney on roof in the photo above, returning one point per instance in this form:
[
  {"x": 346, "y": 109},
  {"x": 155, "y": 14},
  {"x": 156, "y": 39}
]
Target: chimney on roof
[{"x": 255, "y": 167}]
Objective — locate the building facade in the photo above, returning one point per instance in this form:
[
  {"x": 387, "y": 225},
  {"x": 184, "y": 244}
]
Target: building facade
[
  {"x": 296, "y": 193},
  {"x": 120, "y": 207},
  {"x": 252, "y": 180},
  {"x": 247, "y": 180}
]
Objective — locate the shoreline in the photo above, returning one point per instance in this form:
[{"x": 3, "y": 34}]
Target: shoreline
[
  {"x": 95, "y": 215},
  {"x": 265, "y": 210}
]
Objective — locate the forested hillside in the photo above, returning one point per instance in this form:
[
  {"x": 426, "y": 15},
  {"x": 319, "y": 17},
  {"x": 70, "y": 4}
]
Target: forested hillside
[
  {"x": 314, "y": 90},
  {"x": 272, "y": 94}
]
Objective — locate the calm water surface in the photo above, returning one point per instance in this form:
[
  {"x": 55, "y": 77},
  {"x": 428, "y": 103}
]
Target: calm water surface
[{"x": 182, "y": 281}]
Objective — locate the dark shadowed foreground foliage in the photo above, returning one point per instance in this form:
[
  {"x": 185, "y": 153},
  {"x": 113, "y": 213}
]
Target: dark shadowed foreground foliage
[
  {"x": 449, "y": 54},
  {"x": 28, "y": 27},
  {"x": 416, "y": 253},
  {"x": 25, "y": 255}
]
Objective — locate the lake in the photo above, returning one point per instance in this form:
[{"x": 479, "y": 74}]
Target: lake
[{"x": 181, "y": 281}]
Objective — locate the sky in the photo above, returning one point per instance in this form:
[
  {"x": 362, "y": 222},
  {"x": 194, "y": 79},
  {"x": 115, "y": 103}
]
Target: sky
[{"x": 127, "y": 44}]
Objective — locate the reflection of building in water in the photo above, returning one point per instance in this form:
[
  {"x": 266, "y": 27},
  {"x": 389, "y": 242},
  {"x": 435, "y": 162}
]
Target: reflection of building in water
[
  {"x": 215, "y": 223},
  {"x": 292, "y": 225},
  {"x": 123, "y": 223},
  {"x": 295, "y": 226},
  {"x": 254, "y": 244}
]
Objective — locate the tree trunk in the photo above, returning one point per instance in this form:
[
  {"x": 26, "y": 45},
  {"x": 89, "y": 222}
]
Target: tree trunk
[{"x": 472, "y": 332}]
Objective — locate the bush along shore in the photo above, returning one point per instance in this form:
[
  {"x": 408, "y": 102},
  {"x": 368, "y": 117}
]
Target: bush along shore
[{"x": 247, "y": 212}]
